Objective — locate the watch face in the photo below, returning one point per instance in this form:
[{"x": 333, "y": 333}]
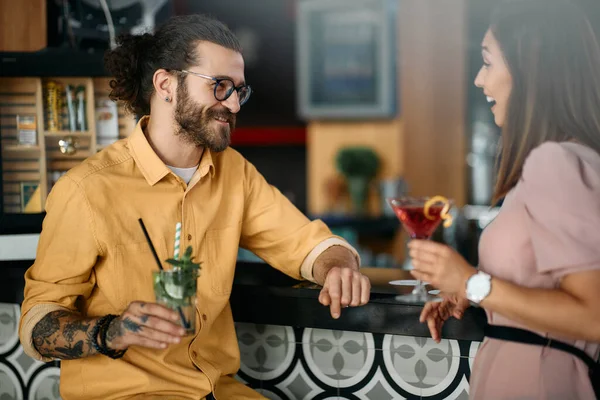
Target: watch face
[{"x": 478, "y": 287}]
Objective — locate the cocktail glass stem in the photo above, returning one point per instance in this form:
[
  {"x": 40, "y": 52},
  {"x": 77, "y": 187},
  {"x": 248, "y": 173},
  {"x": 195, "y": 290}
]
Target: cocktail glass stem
[{"x": 419, "y": 290}]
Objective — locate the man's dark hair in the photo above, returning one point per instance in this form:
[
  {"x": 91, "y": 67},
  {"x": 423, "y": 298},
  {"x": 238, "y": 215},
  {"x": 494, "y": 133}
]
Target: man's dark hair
[{"x": 173, "y": 47}]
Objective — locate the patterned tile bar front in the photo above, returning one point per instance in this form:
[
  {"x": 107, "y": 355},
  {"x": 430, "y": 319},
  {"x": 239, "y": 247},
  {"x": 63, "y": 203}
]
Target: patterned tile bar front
[
  {"x": 289, "y": 363},
  {"x": 329, "y": 364}
]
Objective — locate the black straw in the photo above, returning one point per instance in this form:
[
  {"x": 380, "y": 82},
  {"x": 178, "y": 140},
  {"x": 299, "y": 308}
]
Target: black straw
[
  {"x": 185, "y": 323},
  {"x": 150, "y": 244}
]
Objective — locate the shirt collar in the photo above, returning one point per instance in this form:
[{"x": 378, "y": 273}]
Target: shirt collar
[{"x": 152, "y": 167}]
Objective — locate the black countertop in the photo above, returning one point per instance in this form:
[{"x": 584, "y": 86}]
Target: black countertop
[{"x": 263, "y": 295}]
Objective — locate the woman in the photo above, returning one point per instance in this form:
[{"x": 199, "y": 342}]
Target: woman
[{"x": 540, "y": 258}]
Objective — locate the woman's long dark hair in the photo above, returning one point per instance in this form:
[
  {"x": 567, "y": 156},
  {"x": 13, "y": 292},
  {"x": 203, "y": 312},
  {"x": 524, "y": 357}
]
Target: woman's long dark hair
[
  {"x": 554, "y": 59},
  {"x": 133, "y": 62}
]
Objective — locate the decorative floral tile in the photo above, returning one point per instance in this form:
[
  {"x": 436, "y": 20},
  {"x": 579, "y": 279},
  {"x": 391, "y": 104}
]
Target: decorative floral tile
[
  {"x": 298, "y": 385},
  {"x": 25, "y": 365},
  {"x": 9, "y": 327},
  {"x": 421, "y": 366},
  {"x": 45, "y": 386},
  {"x": 10, "y": 386},
  {"x": 461, "y": 392},
  {"x": 472, "y": 353},
  {"x": 338, "y": 358},
  {"x": 266, "y": 351},
  {"x": 269, "y": 394},
  {"x": 376, "y": 388}
]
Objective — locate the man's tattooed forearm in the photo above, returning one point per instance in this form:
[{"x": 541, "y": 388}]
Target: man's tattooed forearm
[
  {"x": 46, "y": 327},
  {"x": 64, "y": 335},
  {"x": 71, "y": 328},
  {"x": 90, "y": 339},
  {"x": 71, "y": 352}
]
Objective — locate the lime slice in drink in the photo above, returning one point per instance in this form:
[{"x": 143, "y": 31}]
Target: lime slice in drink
[{"x": 174, "y": 291}]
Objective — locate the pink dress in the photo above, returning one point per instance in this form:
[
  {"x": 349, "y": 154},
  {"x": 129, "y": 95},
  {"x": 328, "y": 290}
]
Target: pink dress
[{"x": 548, "y": 227}]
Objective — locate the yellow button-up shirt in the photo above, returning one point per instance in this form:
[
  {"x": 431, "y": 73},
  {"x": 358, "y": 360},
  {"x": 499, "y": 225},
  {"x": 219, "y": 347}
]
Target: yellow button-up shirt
[{"x": 93, "y": 259}]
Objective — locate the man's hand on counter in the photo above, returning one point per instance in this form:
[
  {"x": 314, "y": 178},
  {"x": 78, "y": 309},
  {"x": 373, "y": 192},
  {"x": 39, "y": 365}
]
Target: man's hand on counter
[{"x": 337, "y": 270}]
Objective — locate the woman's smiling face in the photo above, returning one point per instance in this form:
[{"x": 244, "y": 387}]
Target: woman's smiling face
[{"x": 494, "y": 78}]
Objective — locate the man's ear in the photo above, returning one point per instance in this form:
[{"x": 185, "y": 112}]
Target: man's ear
[{"x": 165, "y": 84}]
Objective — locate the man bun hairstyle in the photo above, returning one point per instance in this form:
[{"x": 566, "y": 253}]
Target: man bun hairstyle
[{"x": 136, "y": 58}]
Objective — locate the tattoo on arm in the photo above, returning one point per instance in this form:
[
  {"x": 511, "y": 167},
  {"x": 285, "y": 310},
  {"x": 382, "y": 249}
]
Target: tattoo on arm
[
  {"x": 44, "y": 330},
  {"x": 71, "y": 352},
  {"x": 73, "y": 327},
  {"x": 144, "y": 319},
  {"x": 115, "y": 330},
  {"x": 132, "y": 326},
  {"x": 64, "y": 335}
]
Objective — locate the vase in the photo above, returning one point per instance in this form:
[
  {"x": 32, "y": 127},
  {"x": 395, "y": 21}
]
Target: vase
[{"x": 358, "y": 187}]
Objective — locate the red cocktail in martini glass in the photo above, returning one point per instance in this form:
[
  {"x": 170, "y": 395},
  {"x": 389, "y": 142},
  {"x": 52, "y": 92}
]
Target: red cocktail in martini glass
[{"x": 420, "y": 217}]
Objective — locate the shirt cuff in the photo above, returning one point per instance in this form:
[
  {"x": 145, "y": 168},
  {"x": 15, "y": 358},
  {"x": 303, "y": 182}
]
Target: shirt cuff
[
  {"x": 29, "y": 321},
  {"x": 306, "y": 269}
]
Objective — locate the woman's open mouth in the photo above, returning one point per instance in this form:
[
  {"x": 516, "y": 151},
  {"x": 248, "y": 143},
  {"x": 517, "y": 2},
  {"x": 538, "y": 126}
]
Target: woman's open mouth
[{"x": 492, "y": 101}]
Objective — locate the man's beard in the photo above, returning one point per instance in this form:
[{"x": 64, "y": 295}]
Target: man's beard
[{"x": 193, "y": 123}]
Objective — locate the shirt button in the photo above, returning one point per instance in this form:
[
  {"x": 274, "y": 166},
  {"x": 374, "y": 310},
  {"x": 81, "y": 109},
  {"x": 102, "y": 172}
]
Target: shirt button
[
  {"x": 189, "y": 237},
  {"x": 204, "y": 317}
]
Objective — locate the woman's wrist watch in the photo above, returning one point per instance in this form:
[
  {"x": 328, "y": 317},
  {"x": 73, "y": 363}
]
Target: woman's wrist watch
[{"x": 479, "y": 287}]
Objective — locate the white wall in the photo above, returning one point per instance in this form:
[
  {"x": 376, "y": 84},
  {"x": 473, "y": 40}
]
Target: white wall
[{"x": 18, "y": 247}]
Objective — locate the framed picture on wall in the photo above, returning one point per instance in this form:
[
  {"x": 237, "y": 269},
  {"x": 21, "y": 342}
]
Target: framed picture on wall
[
  {"x": 346, "y": 59},
  {"x": 31, "y": 200}
]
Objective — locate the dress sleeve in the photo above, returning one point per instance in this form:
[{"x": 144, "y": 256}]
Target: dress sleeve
[{"x": 561, "y": 193}]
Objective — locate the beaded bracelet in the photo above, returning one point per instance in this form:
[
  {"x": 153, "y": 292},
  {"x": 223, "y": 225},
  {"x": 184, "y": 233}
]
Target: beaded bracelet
[{"x": 100, "y": 331}]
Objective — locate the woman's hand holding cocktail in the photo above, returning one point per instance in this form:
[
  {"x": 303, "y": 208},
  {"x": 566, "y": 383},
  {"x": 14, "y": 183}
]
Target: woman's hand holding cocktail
[
  {"x": 441, "y": 266},
  {"x": 446, "y": 270}
]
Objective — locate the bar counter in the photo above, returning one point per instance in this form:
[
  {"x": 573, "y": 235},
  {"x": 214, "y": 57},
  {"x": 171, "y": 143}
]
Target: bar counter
[
  {"x": 290, "y": 346},
  {"x": 263, "y": 295}
]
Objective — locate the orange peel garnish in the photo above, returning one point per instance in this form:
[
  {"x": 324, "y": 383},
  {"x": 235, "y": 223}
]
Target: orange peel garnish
[{"x": 444, "y": 215}]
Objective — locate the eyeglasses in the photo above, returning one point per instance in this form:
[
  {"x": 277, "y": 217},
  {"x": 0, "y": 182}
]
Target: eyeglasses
[{"x": 224, "y": 87}]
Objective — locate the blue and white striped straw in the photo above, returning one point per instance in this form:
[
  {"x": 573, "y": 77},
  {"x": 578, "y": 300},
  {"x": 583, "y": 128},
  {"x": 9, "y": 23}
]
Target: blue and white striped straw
[{"x": 177, "y": 240}]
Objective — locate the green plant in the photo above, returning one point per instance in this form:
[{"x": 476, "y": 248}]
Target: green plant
[
  {"x": 357, "y": 161},
  {"x": 186, "y": 262}
]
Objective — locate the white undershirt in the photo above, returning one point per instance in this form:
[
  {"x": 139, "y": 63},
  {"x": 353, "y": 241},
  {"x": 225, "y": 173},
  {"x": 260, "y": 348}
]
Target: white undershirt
[{"x": 184, "y": 173}]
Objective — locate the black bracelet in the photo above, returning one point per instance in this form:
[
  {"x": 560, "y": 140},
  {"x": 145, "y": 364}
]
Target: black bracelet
[
  {"x": 99, "y": 331},
  {"x": 114, "y": 354},
  {"x": 99, "y": 325}
]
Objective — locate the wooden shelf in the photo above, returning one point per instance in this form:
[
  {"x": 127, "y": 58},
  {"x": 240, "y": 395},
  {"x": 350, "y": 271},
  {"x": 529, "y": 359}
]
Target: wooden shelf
[
  {"x": 78, "y": 156},
  {"x": 25, "y": 95},
  {"x": 68, "y": 133},
  {"x": 23, "y": 149}
]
